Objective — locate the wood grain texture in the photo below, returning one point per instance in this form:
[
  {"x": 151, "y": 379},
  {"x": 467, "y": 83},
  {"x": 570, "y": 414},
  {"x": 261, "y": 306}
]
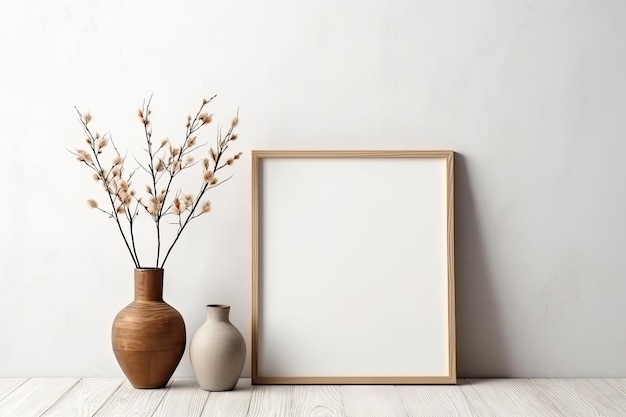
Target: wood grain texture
[
  {"x": 148, "y": 335},
  {"x": 85, "y": 398},
  {"x": 353, "y": 380},
  {"x": 256, "y": 261},
  {"x": 317, "y": 400},
  {"x": 183, "y": 398},
  {"x": 449, "y": 155},
  {"x": 35, "y": 396},
  {"x": 130, "y": 402},
  {"x": 515, "y": 398},
  {"x": 476, "y": 404},
  {"x": 428, "y": 401},
  {"x": 231, "y": 403},
  {"x": 618, "y": 383},
  {"x": 566, "y": 398},
  {"x": 270, "y": 401},
  {"x": 69, "y": 397},
  {"x": 8, "y": 385},
  {"x": 351, "y": 153},
  {"x": 372, "y": 401},
  {"x": 604, "y": 398}
]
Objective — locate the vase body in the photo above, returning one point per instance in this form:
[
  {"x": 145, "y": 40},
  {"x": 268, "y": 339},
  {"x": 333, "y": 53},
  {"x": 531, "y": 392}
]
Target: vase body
[
  {"x": 148, "y": 335},
  {"x": 217, "y": 351}
]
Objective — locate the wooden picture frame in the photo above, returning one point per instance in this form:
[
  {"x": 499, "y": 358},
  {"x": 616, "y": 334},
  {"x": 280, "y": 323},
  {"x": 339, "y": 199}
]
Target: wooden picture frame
[{"x": 353, "y": 267}]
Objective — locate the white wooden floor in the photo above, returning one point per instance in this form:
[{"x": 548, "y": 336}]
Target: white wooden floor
[{"x": 23, "y": 397}]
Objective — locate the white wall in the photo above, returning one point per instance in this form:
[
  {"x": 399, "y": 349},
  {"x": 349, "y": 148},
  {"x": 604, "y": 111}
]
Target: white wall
[{"x": 529, "y": 92}]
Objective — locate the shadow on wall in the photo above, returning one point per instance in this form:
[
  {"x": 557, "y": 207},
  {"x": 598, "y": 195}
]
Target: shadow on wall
[{"x": 481, "y": 344}]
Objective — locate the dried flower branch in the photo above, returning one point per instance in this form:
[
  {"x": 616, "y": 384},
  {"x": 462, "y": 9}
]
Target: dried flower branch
[{"x": 165, "y": 162}]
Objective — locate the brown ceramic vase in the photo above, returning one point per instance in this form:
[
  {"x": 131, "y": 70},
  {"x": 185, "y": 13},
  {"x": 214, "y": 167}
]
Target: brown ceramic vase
[{"x": 148, "y": 334}]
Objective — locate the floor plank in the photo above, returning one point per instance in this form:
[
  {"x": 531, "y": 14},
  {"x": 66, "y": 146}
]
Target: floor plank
[
  {"x": 618, "y": 383},
  {"x": 477, "y": 405},
  {"x": 8, "y": 385},
  {"x": 515, "y": 398},
  {"x": 35, "y": 396},
  {"x": 566, "y": 398},
  {"x": 230, "y": 403},
  {"x": 85, "y": 398},
  {"x": 602, "y": 396},
  {"x": 372, "y": 401},
  {"x": 316, "y": 400},
  {"x": 270, "y": 401},
  {"x": 434, "y": 401},
  {"x": 183, "y": 398},
  {"x": 130, "y": 402},
  {"x": 113, "y": 397}
]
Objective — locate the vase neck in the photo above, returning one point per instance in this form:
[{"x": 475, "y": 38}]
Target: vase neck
[
  {"x": 217, "y": 312},
  {"x": 149, "y": 284}
]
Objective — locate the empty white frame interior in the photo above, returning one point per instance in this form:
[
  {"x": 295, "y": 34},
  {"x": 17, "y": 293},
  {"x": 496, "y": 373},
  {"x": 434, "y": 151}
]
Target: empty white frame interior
[{"x": 353, "y": 269}]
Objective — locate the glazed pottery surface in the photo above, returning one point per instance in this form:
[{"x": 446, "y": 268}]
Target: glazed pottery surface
[
  {"x": 148, "y": 335},
  {"x": 217, "y": 351}
]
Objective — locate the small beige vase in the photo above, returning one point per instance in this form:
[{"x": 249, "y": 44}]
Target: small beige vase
[{"x": 217, "y": 351}]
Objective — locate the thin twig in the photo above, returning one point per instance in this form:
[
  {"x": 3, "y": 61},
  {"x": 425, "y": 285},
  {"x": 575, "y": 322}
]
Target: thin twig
[{"x": 165, "y": 160}]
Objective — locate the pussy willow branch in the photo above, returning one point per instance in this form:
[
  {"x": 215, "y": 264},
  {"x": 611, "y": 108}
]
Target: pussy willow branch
[
  {"x": 129, "y": 216},
  {"x": 189, "y": 218},
  {"x": 131, "y": 221},
  {"x": 222, "y": 145},
  {"x": 164, "y": 160},
  {"x": 97, "y": 167},
  {"x": 171, "y": 169},
  {"x": 152, "y": 170}
]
